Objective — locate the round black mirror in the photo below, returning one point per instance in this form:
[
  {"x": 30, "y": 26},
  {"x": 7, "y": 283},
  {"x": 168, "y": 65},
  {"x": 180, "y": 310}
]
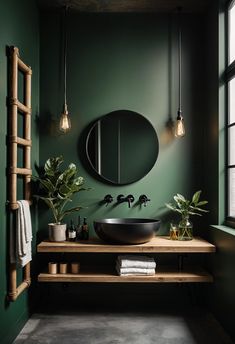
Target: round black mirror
[{"x": 122, "y": 147}]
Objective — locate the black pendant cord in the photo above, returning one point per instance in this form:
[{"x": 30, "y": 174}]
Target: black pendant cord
[
  {"x": 179, "y": 59},
  {"x": 65, "y": 56},
  {"x": 179, "y": 69}
]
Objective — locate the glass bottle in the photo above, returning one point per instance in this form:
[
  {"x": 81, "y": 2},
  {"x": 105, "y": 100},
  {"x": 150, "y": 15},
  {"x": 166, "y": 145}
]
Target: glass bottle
[
  {"x": 85, "y": 230},
  {"x": 174, "y": 231},
  {"x": 79, "y": 229},
  {"x": 185, "y": 229},
  {"x": 72, "y": 232}
]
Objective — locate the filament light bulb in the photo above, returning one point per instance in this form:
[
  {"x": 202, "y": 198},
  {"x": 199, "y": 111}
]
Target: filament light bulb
[
  {"x": 65, "y": 122},
  {"x": 179, "y": 126}
]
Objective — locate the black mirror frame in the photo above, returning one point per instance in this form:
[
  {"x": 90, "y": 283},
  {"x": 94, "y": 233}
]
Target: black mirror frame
[{"x": 101, "y": 177}]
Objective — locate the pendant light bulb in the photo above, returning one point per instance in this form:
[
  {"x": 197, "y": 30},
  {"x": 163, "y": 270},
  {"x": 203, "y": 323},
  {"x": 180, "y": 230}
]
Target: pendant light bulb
[
  {"x": 179, "y": 126},
  {"x": 65, "y": 123}
]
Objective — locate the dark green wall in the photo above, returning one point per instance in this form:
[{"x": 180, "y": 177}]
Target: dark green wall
[
  {"x": 119, "y": 61},
  {"x": 124, "y": 62},
  {"x": 19, "y": 27}
]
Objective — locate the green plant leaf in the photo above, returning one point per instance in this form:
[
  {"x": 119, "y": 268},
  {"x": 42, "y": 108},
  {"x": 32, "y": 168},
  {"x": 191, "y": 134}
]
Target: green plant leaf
[
  {"x": 79, "y": 181},
  {"x": 172, "y": 207},
  {"x": 177, "y": 200},
  {"x": 199, "y": 209},
  {"x": 52, "y": 165},
  {"x": 181, "y": 197},
  {"x": 62, "y": 197},
  {"x": 47, "y": 185},
  {"x": 64, "y": 189},
  {"x": 193, "y": 213},
  {"x": 68, "y": 174},
  {"x": 196, "y": 197},
  {"x": 202, "y": 203},
  {"x": 69, "y": 211}
]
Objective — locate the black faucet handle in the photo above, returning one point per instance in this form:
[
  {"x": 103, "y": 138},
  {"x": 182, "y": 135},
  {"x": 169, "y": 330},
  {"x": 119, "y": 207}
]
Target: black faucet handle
[
  {"x": 108, "y": 199},
  {"x": 143, "y": 199},
  {"x": 130, "y": 199}
]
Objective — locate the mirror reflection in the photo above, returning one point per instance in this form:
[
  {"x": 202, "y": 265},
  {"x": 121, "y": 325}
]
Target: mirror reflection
[{"x": 122, "y": 147}]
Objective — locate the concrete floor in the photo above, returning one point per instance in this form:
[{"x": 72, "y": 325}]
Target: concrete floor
[{"x": 146, "y": 327}]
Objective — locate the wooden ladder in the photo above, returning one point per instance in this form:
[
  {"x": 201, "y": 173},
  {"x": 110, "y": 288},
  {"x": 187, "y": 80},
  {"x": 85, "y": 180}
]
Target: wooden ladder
[{"x": 15, "y": 106}]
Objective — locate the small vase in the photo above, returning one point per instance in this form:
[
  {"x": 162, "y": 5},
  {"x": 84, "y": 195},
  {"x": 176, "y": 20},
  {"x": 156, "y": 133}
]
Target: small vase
[{"x": 185, "y": 229}]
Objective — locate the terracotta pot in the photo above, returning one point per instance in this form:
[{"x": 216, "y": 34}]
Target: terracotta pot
[{"x": 57, "y": 232}]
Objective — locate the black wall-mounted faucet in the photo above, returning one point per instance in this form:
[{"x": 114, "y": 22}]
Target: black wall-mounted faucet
[
  {"x": 121, "y": 198},
  {"x": 108, "y": 199},
  {"x": 143, "y": 199},
  {"x": 129, "y": 199}
]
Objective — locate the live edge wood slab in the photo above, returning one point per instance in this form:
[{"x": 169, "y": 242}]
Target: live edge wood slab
[{"x": 160, "y": 244}]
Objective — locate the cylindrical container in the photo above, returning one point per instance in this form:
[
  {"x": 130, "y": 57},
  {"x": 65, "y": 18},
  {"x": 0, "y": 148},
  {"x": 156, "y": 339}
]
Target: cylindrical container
[
  {"x": 52, "y": 268},
  {"x": 75, "y": 268},
  {"x": 185, "y": 229},
  {"x": 57, "y": 232},
  {"x": 63, "y": 268}
]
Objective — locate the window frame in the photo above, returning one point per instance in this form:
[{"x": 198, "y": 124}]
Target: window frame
[{"x": 229, "y": 75}]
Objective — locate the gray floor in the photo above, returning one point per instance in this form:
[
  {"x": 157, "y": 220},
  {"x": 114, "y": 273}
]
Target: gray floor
[{"x": 129, "y": 328}]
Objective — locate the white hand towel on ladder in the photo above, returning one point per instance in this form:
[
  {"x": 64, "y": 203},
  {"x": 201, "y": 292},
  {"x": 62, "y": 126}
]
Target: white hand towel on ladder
[{"x": 23, "y": 234}]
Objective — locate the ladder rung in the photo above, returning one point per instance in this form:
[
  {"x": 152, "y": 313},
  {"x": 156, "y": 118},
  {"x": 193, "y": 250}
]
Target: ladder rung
[
  {"x": 23, "y": 67},
  {"x": 20, "y": 141},
  {"x": 23, "y": 108},
  {"x": 23, "y": 171},
  {"x": 15, "y": 206}
]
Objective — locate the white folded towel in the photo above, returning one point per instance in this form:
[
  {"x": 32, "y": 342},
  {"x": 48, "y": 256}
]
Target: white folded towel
[
  {"x": 134, "y": 271},
  {"x": 23, "y": 234},
  {"x": 135, "y": 261}
]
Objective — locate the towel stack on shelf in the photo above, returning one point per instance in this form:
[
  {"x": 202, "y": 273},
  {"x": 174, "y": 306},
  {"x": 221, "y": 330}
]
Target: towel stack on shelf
[{"x": 127, "y": 265}]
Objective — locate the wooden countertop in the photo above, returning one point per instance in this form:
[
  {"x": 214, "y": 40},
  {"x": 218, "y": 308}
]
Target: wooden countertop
[{"x": 159, "y": 244}]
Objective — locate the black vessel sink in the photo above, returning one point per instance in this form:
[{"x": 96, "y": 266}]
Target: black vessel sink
[{"x": 126, "y": 231}]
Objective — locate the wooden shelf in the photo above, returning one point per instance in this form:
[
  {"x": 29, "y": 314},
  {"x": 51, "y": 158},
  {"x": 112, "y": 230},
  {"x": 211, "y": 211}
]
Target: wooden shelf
[
  {"x": 160, "y": 244},
  {"x": 108, "y": 275}
]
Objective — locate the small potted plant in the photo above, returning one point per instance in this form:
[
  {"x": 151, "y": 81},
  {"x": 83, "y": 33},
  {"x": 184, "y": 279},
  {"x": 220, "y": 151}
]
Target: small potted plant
[
  {"x": 186, "y": 208},
  {"x": 58, "y": 187}
]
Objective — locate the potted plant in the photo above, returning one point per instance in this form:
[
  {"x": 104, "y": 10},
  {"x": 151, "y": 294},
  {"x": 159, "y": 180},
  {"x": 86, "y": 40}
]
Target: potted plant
[
  {"x": 58, "y": 187},
  {"x": 186, "y": 208}
]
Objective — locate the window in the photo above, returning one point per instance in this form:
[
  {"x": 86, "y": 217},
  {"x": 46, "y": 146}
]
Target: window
[{"x": 230, "y": 123}]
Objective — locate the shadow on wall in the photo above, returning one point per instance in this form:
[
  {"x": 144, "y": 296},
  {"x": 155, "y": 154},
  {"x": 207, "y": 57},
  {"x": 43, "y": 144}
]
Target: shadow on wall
[
  {"x": 167, "y": 135},
  {"x": 48, "y": 125}
]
